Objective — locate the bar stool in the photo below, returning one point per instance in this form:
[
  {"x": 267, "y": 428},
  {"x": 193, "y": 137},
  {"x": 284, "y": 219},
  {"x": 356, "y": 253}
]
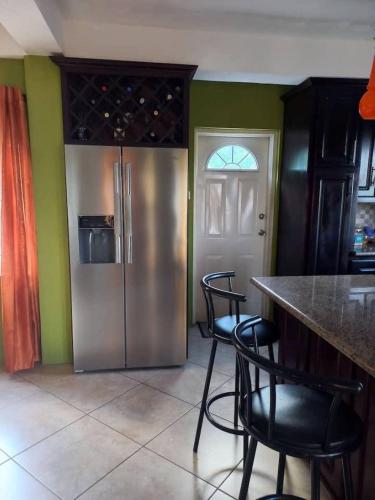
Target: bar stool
[
  {"x": 220, "y": 330},
  {"x": 306, "y": 418},
  {"x": 281, "y": 497}
]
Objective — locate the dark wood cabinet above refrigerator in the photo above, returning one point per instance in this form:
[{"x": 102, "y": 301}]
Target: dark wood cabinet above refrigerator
[
  {"x": 319, "y": 177},
  {"x": 111, "y": 103}
]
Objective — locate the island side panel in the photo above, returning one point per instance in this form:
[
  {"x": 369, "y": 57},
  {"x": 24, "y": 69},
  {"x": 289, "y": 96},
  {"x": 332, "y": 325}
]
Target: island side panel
[{"x": 303, "y": 349}]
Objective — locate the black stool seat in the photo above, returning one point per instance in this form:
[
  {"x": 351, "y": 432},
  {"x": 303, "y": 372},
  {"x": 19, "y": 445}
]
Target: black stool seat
[
  {"x": 266, "y": 331},
  {"x": 220, "y": 329},
  {"x": 305, "y": 416},
  {"x": 281, "y": 497},
  {"x": 301, "y": 420}
]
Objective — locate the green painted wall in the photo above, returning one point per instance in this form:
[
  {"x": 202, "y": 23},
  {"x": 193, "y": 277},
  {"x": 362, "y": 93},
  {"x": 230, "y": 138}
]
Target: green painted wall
[
  {"x": 213, "y": 104},
  {"x": 39, "y": 79},
  {"x": 44, "y": 106},
  {"x": 12, "y": 73},
  {"x": 231, "y": 105}
]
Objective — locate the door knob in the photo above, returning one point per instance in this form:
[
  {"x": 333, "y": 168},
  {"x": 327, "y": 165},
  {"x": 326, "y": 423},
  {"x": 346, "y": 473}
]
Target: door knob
[{"x": 262, "y": 232}]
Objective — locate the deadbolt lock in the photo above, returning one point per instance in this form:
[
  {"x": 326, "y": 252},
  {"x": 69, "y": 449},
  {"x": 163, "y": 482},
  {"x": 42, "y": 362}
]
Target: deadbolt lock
[{"x": 261, "y": 216}]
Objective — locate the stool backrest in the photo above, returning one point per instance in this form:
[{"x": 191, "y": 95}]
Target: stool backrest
[
  {"x": 210, "y": 292},
  {"x": 250, "y": 355}
]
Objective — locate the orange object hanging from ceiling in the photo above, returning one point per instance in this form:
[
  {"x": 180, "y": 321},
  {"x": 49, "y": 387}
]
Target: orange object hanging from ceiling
[{"x": 367, "y": 102}]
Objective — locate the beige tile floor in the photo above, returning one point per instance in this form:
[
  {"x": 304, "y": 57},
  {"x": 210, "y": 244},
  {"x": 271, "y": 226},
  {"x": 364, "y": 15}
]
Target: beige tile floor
[{"x": 127, "y": 436}]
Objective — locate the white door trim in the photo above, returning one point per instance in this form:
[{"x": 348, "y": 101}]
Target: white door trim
[{"x": 274, "y": 136}]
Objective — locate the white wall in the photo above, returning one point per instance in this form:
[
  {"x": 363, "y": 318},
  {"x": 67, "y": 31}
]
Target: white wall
[{"x": 223, "y": 56}]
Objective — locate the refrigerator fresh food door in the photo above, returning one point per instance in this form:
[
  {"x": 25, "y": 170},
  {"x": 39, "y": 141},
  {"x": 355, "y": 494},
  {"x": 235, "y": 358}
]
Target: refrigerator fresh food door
[
  {"x": 94, "y": 191},
  {"x": 155, "y": 219}
]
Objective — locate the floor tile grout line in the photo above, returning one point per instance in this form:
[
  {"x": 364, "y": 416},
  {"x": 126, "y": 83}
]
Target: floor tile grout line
[
  {"x": 231, "y": 472},
  {"x": 193, "y": 404},
  {"x": 156, "y": 453},
  {"x": 107, "y": 473},
  {"x": 168, "y": 426},
  {"x": 89, "y": 414},
  {"x": 172, "y": 395},
  {"x": 82, "y": 417},
  {"x": 146, "y": 446},
  {"x": 151, "y": 439},
  {"x": 120, "y": 396},
  {"x": 36, "y": 479},
  {"x": 142, "y": 446},
  {"x": 225, "y": 493},
  {"x": 215, "y": 370},
  {"x": 46, "y": 437},
  {"x": 46, "y": 391},
  {"x": 220, "y": 491},
  {"x": 43, "y": 389},
  {"x": 181, "y": 467},
  {"x": 38, "y": 389}
]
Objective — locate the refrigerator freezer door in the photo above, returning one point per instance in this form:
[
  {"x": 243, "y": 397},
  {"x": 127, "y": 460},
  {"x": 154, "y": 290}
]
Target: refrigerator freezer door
[
  {"x": 94, "y": 190},
  {"x": 155, "y": 215}
]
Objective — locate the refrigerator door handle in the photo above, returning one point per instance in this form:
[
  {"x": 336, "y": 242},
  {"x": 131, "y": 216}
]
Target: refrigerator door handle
[
  {"x": 129, "y": 212},
  {"x": 117, "y": 174}
]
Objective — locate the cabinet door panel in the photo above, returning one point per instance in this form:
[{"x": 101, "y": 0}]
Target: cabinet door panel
[
  {"x": 366, "y": 186},
  {"x": 331, "y": 222},
  {"x": 337, "y": 128}
]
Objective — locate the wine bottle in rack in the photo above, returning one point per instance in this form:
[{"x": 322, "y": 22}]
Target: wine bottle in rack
[
  {"x": 128, "y": 117},
  {"x": 119, "y": 130},
  {"x": 169, "y": 97}
]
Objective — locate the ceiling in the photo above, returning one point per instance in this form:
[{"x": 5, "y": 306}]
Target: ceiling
[
  {"x": 348, "y": 18},
  {"x": 267, "y": 41}
]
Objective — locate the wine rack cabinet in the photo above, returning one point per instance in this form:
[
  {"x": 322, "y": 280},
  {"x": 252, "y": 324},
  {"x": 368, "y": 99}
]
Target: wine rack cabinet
[{"x": 125, "y": 103}]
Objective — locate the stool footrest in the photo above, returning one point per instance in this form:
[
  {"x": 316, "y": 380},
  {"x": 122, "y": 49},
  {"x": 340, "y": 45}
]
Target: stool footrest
[{"x": 216, "y": 423}]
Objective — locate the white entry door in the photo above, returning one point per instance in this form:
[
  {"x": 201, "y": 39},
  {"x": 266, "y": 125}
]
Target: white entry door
[{"x": 232, "y": 213}]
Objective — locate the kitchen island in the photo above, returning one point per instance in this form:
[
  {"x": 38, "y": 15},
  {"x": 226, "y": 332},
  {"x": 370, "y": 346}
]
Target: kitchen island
[{"x": 327, "y": 327}]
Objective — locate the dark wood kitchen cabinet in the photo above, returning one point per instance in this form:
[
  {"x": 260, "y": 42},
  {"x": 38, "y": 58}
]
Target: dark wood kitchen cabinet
[
  {"x": 366, "y": 184},
  {"x": 337, "y": 121},
  {"x": 331, "y": 214},
  {"x": 319, "y": 177}
]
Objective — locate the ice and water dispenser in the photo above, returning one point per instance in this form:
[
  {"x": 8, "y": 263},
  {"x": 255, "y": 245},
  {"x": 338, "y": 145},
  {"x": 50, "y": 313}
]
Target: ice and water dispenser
[{"x": 96, "y": 239}]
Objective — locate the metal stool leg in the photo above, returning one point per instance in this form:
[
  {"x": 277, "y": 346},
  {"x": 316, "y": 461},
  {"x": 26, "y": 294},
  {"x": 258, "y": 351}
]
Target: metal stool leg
[
  {"x": 248, "y": 467},
  {"x": 315, "y": 479},
  {"x": 205, "y": 394},
  {"x": 270, "y": 353},
  {"x": 245, "y": 446},
  {"x": 280, "y": 474},
  {"x": 348, "y": 480},
  {"x": 237, "y": 392}
]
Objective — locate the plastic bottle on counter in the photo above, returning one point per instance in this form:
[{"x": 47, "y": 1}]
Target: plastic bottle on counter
[{"x": 359, "y": 237}]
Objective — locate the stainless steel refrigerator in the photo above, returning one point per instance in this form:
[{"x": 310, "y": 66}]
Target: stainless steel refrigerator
[{"x": 127, "y": 211}]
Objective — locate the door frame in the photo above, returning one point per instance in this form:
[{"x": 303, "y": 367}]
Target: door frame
[{"x": 274, "y": 137}]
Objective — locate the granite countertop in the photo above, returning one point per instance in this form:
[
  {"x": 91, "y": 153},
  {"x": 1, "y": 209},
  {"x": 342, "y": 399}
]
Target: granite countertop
[{"x": 341, "y": 309}]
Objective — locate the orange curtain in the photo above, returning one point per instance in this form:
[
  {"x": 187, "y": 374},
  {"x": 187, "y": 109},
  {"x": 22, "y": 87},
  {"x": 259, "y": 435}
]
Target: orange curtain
[{"x": 19, "y": 265}]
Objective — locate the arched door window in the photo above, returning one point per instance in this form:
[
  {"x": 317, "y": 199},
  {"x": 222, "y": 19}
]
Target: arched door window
[{"x": 232, "y": 157}]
